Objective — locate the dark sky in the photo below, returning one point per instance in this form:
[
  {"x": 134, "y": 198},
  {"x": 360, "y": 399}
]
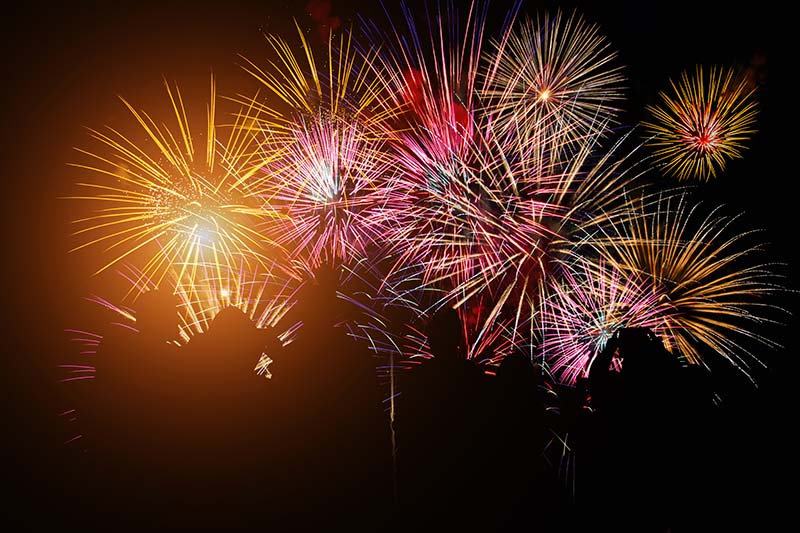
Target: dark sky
[{"x": 65, "y": 65}]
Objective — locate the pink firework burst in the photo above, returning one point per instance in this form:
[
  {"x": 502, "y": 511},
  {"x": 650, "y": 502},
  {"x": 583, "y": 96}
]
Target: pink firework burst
[{"x": 585, "y": 306}]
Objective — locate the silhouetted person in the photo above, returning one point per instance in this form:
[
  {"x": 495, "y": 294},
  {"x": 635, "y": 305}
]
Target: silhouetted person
[
  {"x": 639, "y": 407},
  {"x": 331, "y": 448},
  {"x": 442, "y": 411},
  {"x": 131, "y": 407},
  {"x": 698, "y": 469},
  {"x": 222, "y": 434},
  {"x": 528, "y": 493}
]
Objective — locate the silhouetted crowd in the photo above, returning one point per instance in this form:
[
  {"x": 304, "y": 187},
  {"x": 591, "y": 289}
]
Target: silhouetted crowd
[{"x": 191, "y": 437}]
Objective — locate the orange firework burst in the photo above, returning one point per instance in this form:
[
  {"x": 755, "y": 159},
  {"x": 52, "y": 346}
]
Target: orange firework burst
[
  {"x": 171, "y": 203},
  {"x": 712, "y": 288},
  {"x": 703, "y": 123}
]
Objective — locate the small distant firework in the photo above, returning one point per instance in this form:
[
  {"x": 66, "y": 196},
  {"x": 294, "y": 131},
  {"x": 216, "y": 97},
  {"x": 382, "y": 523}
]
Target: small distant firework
[
  {"x": 703, "y": 123},
  {"x": 168, "y": 202}
]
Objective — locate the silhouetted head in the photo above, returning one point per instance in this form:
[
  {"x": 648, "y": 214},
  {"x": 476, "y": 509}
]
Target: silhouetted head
[
  {"x": 232, "y": 328},
  {"x": 157, "y": 315},
  {"x": 444, "y": 334},
  {"x": 326, "y": 277},
  {"x": 231, "y": 322},
  {"x": 644, "y": 356},
  {"x": 317, "y": 302},
  {"x": 516, "y": 369}
]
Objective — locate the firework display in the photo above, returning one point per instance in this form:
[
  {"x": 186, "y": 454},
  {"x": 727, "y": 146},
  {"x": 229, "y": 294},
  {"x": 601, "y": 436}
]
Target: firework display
[
  {"x": 438, "y": 165},
  {"x": 378, "y": 182},
  {"x": 463, "y": 170}
]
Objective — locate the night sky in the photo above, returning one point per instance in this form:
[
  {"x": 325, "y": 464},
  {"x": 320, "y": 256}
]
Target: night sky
[{"x": 65, "y": 66}]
